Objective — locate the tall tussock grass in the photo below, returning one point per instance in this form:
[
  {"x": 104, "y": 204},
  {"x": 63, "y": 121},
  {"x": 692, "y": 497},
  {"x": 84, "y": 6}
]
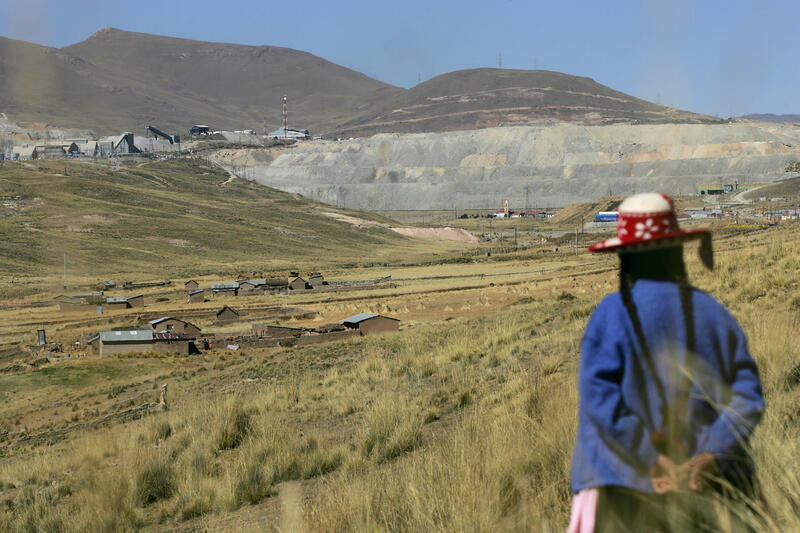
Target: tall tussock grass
[{"x": 458, "y": 426}]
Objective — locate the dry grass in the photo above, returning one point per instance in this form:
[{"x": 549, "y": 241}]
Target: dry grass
[{"x": 451, "y": 426}]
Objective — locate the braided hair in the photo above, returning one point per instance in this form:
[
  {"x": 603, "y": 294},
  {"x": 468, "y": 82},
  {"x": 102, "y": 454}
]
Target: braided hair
[{"x": 665, "y": 264}]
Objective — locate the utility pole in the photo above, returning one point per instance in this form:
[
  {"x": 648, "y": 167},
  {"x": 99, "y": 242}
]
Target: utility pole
[
  {"x": 65, "y": 270},
  {"x": 285, "y": 119},
  {"x": 499, "y": 59}
]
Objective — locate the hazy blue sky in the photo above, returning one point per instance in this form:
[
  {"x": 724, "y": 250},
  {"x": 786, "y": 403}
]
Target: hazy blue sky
[{"x": 711, "y": 56}]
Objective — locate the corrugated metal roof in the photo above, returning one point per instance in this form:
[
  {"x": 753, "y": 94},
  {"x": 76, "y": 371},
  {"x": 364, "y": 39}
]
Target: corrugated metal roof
[
  {"x": 198, "y": 291},
  {"x": 92, "y": 339},
  {"x": 116, "y": 300},
  {"x": 360, "y": 317},
  {"x": 130, "y": 335},
  {"x": 160, "y": 320},
  {"x": 225, "y": 286}
]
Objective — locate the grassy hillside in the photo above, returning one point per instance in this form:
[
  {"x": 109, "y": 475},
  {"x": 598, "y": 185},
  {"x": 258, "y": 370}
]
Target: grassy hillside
[
  {"x": 464, "y": 424},
  {"x": 120, "y": 81},
  {"x": 486, "y": 97},
  {"x": 174, "y": 218}
]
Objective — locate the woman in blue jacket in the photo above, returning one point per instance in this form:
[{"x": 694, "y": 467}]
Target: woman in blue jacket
[{"x": 669, "y": 393}]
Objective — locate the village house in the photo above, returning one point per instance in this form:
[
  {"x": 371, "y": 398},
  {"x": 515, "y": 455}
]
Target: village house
[
  {"x": 277, "y": 283},
  {"x": 169, "y": 324},
  {"x": 198, "y": 296},
  {"x": 252, "y": 286},
  {"x": 368, "y": 323},
  {"x": 299, "y": 284},
  {"x": 191, "y": 285},
  {"x": 79, "y": 302},
  {"x": 105, "y": 285},
  {"x": 225, "y": 288},
  {"x": 123, "y": 302},
  {"x": 226, "y": 314},
  {"x": 316, "y": 280},
  {"x": 134, "y": 340}
]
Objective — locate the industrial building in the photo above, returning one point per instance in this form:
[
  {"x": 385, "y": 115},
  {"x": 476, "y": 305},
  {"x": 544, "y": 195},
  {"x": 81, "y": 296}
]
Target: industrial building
[{"x": 289, "y": 133}]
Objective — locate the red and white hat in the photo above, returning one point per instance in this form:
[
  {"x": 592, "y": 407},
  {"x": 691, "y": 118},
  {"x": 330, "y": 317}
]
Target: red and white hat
[{"x": 645, "y": 222}]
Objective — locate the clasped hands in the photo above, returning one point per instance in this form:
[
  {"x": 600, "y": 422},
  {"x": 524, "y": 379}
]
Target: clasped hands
[{"x": 666, "y": 476}]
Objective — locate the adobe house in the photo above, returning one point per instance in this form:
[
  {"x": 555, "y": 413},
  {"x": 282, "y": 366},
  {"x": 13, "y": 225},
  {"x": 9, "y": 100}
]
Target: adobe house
[
  {"x": 191, "y": 285},
  {"x": 225, "y": 288},
  {"x": 140, "y": 340},
  {"x": 299, "y": 284},
  {"x": 169, "y": 324},
  {"x": 277, "y": 283},
  {"x": 197, "y": 296},
  {"x": 105, "y": 285},
  {"x": 115, "y": 304},
  {"x": 79, "y": 302},
  {"x": 136, "y": 301},
  {"x": 316, "y": 280},
  {"x": 226, "y": 314},
  {"x": 368, "y": 323}
]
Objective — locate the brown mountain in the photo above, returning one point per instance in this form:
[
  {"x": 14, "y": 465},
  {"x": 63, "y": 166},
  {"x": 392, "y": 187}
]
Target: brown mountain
[
  {"x": 118, "y": 80},
  {"x": 487, "y": 97}
]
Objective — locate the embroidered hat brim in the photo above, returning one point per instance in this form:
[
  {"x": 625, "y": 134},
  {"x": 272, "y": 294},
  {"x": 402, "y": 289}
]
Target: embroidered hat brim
[{"x": 615, "y": 244}]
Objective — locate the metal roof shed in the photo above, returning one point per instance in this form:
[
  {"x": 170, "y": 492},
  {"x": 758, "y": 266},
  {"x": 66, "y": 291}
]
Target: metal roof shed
[{"x": 368, "y": 323}]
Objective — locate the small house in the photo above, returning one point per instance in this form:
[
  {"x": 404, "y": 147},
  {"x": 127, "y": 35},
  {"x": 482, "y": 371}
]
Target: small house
[
  {"x": 299, "y": 284},
  {"x": 123, "y": 302},
  {"x": 105, "y": 285},
  {"x": 169, "y": 324},
  {"x": 225, "y": 288},
  {"x": 196, "y": 297},
  {"x": 316, "y": 280},
  {"x": 140, "y": 340},
  {"x": 191, "y": 285},
  {"x": 115, "y": 303},
  {"x": 79, "y": 302},
  {"x": 226, "y": 314},
  {"x": 277, "y": 283},
  {"x": 252, "y": 286},
  {"x": 368, "y": 323}
]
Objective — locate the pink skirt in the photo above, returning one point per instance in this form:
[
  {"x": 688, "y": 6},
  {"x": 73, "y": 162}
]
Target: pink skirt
[{"x": 584, "y": 511}]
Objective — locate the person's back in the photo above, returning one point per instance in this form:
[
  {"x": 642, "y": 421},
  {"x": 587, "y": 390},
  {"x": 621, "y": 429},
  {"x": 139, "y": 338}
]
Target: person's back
[{"x": 668, "y": 391}]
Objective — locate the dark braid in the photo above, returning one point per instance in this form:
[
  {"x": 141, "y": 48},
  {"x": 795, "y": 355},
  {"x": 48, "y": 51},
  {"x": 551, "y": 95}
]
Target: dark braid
[{"x": 665, "y": 265}]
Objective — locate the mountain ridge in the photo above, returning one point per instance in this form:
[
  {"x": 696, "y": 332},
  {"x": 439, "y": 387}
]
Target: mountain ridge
[{"x": 116, "y": 80}]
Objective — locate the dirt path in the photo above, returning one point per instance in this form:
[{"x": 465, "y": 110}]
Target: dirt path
[
  {"x": 436, "y": 234},
  {"x": 291, "y": 502}
]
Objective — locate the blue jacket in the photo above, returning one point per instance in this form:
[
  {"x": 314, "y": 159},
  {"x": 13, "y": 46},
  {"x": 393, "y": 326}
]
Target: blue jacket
[{"x": 620, "y": 406}]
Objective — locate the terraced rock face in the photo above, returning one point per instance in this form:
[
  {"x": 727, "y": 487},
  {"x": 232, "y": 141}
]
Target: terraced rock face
[{"x": 553, "y": 165}]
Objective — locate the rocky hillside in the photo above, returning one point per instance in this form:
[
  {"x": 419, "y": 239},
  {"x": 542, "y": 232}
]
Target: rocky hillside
[
  {"x": 486, "y": 97},
  {"x": 549, "y": 165}
]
